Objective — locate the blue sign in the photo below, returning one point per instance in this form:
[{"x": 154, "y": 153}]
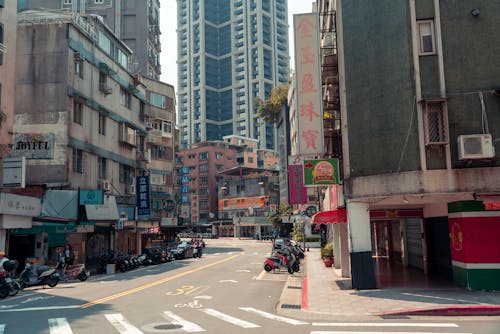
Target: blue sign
[
  {"x": 184, "y": 189},
  {"x": 184, "y": 170},
  {"x": 185, "y": 179},
  {"x": 143, "y": 197}
]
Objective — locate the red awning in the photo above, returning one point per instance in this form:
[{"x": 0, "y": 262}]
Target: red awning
[{"x": 330, "y": 217}]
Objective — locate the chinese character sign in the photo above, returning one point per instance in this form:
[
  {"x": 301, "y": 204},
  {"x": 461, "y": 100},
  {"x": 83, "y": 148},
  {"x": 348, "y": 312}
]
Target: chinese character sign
[
  {"x": 143, "y": 197},
  {"x": 195, "y": 210},
  {"x": 309, "y": 102}
]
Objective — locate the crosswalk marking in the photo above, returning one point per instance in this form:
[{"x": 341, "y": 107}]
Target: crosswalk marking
[
  {"x": 2, "y": 328},
  {"x": 382, "y": 324},
  {"x": 274, "y": 317},
  {"x": 187, "y": 326},
  {"x": 121, "y": 324},
  {"x": 357, "y": 332},
  {"x": 59, "y": 326},
  {"x": 228, "y": 318}
]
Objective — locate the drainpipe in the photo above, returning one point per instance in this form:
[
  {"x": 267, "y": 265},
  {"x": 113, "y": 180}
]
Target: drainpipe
[{"x": 418, "y": 88}]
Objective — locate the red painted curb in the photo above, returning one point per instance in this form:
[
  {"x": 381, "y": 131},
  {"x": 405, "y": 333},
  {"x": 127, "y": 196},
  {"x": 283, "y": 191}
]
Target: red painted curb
[
  {"x": 487, "y": 310},
  {"x": 304, "y": 294}
]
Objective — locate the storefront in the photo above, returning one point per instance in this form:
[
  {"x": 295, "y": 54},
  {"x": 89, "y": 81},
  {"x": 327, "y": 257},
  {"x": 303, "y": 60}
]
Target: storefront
[{"x": 17, "y": 212}]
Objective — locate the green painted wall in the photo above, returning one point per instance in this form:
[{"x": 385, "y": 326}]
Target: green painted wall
[
  {"x": 477, "y": 279},
  {"x": 380, "y": 88}
]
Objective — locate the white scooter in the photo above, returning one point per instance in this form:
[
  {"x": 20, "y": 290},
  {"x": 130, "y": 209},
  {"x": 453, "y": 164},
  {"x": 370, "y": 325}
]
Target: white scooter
[{"x": 44, "y": 275}]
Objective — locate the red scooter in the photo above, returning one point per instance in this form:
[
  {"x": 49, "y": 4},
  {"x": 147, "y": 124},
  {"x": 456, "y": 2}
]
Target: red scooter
[{"x": 273, "y": 262}]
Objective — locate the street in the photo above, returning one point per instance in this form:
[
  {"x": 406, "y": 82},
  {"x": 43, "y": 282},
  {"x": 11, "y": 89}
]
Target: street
[{"x": 223, "y": 292}]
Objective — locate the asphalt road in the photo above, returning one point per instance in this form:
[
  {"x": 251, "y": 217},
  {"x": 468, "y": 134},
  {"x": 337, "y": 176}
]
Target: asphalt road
[{"x": 226, "y": 291}]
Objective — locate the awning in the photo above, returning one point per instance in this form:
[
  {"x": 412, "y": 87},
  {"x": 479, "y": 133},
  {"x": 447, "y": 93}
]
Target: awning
[{"x": 330, "y": 217}]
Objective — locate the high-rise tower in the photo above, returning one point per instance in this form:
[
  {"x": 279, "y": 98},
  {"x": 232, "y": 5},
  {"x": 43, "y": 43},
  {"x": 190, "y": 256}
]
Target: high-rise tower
[{"x": 229, "y": 53}]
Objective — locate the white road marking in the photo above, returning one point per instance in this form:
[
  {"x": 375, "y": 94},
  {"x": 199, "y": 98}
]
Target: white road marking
[
  {"x": 243, "y": 271},
  {"x": 40, "y": 308},
  {"x": 228, "y": 318},
  {"x": 382, "y": 324},
  {"x": 59, "y": 326},
  {"x": 274, "y": 317},
  {"x": 2, "y": 328},
  {"x": 261, "y": 274},
  {"x": 121, "y": 324},
  {"x": 202, "y": 297},
  {"x": 349, "y": 332},
  {"x": 228, "y": 280},
  {"x": 186, "y": 325}
]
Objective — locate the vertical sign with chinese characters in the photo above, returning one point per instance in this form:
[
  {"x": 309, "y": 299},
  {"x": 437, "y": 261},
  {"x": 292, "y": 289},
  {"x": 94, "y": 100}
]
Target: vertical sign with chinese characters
[
  {"x": 195, "y": 210},
  {"x": 309, "y": 102},
  {"x": 143, "y": 199},
  {"x": 298, "y": 193}
]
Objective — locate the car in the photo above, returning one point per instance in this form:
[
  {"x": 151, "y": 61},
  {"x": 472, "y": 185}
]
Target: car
[{"x": 183, "y": 250}]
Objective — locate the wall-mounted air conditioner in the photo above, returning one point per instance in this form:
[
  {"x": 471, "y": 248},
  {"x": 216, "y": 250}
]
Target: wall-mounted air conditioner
[
  {"x": 478, "y": 146},
  {"x": 130, "y": 189},
  {"x": 105, "y": 185}
]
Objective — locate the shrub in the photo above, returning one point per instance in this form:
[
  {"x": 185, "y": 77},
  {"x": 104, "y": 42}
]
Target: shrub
[{"x": 327, "y": 250}]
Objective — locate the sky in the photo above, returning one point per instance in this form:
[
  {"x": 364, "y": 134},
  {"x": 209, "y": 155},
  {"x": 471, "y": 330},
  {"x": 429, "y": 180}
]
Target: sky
[{"x": 168, "y": 26}]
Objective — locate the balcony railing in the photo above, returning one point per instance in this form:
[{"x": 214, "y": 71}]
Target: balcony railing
[{"x": 3, "y": 48}]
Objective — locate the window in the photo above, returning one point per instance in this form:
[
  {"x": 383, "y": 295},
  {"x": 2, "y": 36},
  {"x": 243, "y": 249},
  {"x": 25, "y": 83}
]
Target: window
[
  {"x": 158, "y": 100},
  {"x": 126, "y": 174},
  {"x": 1, "y": 44},
  {"x": 77, "y": 161},
  {"x": 104, "y": 42},
  {"x": 99, "y": 1},
  {"x": 250, "y": 160},
  {"x": 78, "y": 61},
  {"x": 122, "y": 58},
  {"x": 67, "y": 2},
  {"x": 203, "y": 191},
  {"x": 102, "y": 124},
  {"x": 218, "y": 155},
  {"x": 203, "y": 180},
  {"x": 203, "y": 155},
  {"x": 78, "y": 112},
  {"x": 103, "y": 83},
  {"x": 436, "y": 122},
  {"x": 204, "y": 168},
  {"x": 426, "y": 37},
  {"x": 126, "y": 98},
  {"x": 102, "y": 168}
]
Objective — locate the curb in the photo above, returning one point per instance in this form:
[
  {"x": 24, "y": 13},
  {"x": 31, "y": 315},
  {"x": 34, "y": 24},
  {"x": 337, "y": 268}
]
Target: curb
[{"x": 479, "y": 310}]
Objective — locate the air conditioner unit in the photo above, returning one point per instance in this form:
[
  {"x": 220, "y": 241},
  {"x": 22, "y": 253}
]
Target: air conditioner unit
[
  {"x": 478, "y": 146},
  {"x": 130, "y": 189},
  {"x": 79, "y": 56},
  {"x": 106, "y": 89},
  {"x": 105, "y": 185}
]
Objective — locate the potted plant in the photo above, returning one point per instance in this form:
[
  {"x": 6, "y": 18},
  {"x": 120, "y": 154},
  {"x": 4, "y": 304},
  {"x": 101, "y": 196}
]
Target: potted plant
[{"x": 327, "y": 254}]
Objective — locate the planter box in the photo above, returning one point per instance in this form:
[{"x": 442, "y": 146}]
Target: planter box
[{"x": 328, "y": 261}]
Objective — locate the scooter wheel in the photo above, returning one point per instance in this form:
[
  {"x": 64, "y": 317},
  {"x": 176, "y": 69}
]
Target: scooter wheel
[
  {"x": 267, "y": 267},
  {"x": 290, "y": 270},
  {"x": 82, "y": 276},
  {"x": 52, "y": 282},
  {"x": 4, "y": 291}
]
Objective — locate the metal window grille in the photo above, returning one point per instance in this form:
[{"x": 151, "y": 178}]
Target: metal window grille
[{"x": 436, "y": 122}]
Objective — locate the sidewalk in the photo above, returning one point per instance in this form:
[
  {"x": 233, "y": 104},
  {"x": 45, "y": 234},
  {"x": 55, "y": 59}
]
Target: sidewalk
[{"x": 322, "y": 293}]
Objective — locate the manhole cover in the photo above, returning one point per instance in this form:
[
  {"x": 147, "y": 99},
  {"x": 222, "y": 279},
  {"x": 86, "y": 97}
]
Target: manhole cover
[
  {"x": 290, "y": 306},
  {"x": 167, "y": 326}
]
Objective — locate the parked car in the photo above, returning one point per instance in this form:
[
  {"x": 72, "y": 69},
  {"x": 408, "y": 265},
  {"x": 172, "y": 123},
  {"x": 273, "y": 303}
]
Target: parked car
[{"x": 184, "y": 250}]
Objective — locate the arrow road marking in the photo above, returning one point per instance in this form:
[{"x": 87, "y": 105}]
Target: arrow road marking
[
  {"x": 228, "y": 318},
  {"x": 186, "y": 325},
  {"x": 274, "y": 317},
  {"x": 59, "y": 326},
  {"x": 2, "y": 328}
]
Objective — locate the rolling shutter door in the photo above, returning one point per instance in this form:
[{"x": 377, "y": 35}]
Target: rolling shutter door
[{"x": 414, "y": 243}]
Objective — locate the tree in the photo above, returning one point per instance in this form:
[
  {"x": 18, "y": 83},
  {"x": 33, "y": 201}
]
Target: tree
[
  {"x": 281, "y": 211},
  {"x": 270, "y": 109}
]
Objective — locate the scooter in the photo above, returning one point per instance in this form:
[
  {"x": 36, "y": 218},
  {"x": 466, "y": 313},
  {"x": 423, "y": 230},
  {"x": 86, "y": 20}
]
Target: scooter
[
  {"x": 274, "y": 262},
  {"x": 44, "y": 275}
]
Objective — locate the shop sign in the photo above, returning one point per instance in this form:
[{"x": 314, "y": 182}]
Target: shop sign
[
  {"x": 91, "y": 196},
  {"x": 18, "y": 205},
  {"x": 154, "y": 230},
  {"x": 184, "y": 211},
  {"x": 70, "y": 228},
  {"x": 195, "y": 209},
  {"x": 309, "y": 100},
  {"x": 321, "y": 172},
  {"x": 168, "y": 221},
  {"x": 33, "y": 145},
  {"x": 143, "y": 197},
  {"x": 85, "y": 229},
  {"x": 298, "y": 193}
]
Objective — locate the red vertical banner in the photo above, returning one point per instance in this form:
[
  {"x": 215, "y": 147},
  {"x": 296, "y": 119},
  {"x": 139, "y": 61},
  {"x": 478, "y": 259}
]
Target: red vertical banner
[{"x": 195, "y": 209}]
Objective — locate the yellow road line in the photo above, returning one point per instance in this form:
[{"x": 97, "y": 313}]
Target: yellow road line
[{"x": 152, "y": 284}]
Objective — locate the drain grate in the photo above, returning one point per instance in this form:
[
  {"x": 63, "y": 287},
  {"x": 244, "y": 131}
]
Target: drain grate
[
  {"x": 167, "y": 326},
  {"x": 294, "y": 287},
  {"x": 290, "y": 306}
]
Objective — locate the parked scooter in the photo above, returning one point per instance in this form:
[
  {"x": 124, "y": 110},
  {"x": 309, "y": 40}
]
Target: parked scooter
[
  {"x": 44, "y": 275},
  {"x": 8, "y": 286},
  {"x": 274, "y": 262}
]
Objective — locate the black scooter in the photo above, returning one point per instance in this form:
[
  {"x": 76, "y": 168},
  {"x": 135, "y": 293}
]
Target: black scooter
[{"x": 44, "y": 275}]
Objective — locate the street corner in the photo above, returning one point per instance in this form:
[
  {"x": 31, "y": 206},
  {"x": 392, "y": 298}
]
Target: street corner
[{"x": 458, "y": 310}]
